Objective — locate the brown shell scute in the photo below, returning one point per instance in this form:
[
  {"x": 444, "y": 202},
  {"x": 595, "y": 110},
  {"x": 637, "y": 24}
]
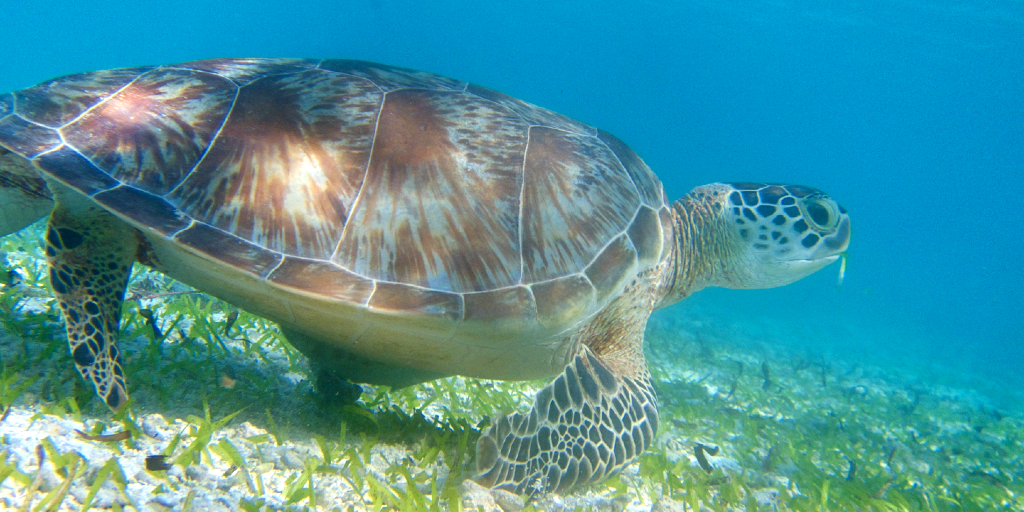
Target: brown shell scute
[
  {"x": 440, "y": 203},
  {"x": 531, "y": 113},
  {"x": 145, "y": 208},
  {"x": 150, "y": 133},
  {"x": 26, "y": 138},
  {"x": 430, "y": 310},
  {"x": 562, "y": 302},
  {"x": 576, "y": 198},
  {"x": 389, "y": 78},
  {"x": 646, "y": 234},
  {"x": 58, "y": 101},
  {"x": 243, "y": 71},
  {"x": 228, "y": 249},
  {"x": 73, "y": 169},
  {"x": 287, "y": 163},
  {"x": 324, "y": 279},
  {"x": 667, "y": 233},
  {"x": 612, "y": 267},
  {"x": 491, "y": 314},
  {"x": 646, "y": 182}
]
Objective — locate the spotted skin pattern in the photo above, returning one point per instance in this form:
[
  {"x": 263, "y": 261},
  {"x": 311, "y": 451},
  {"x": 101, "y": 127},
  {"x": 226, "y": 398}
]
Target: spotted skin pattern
[
  {"x": 584, "y": 427},
  {"x": 773, "y": 216},
  {"x": 90, "y": 255}
]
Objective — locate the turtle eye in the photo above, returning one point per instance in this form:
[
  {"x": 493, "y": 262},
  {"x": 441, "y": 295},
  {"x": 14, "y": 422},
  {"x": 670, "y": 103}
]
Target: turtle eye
[{"x": 820, "y": 213}]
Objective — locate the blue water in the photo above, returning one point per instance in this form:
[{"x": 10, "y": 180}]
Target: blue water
[{"x": 910, "y": 113}]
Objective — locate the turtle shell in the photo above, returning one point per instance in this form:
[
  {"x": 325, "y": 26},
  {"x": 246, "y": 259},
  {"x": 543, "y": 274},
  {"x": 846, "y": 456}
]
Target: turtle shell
[{"x": 371, "y": 206}]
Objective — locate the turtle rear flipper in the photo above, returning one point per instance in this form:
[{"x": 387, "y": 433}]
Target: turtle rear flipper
[
  {"x": 584, "y": 427},
  {"x": 90, "y": 254}
]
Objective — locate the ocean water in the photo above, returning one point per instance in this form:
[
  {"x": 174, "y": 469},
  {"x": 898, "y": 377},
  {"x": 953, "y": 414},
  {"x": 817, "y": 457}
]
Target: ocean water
[{"x": 909, "y": 112}]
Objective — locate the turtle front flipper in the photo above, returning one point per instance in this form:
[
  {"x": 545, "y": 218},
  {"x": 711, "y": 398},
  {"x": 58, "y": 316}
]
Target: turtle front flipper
[
  {"x": 584, "y": 427},
  {"x": 90, "y": 254}
]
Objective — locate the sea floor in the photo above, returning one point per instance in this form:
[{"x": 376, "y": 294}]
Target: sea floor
[{"x": 745, "y": 424}]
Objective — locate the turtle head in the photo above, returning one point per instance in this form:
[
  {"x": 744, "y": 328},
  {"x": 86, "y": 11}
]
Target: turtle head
[
  {"x": 754, "y": 235},
  {"x": 784, "y": 232}
]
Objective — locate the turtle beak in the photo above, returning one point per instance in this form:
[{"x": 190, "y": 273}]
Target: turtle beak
[
  {"x": 838, "y": 241},
  {"x": 782, "y": 273}
]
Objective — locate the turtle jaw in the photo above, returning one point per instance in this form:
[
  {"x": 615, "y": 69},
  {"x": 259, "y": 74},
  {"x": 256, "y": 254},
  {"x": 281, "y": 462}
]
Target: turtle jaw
[
  {"x": 816, "y": 265},
  {"x": 755, "y": 272},
  {"x": 784, "y": 272}
]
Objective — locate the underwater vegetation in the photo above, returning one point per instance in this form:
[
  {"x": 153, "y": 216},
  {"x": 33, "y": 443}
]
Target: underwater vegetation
[{"x": 223, "y": 416}]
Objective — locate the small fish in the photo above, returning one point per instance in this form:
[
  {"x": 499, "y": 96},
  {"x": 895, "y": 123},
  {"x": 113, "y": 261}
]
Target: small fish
[
  {"x": 985, "y": 475},
  {"x": 13, "y": 277},
  {"x": 712, "y": 482},
  {"x": 885, "y": 488},
  {"x": 767, "y": 375},
  {"x": 120, "y": 436},
  {"x": 6, "y": 412},
  {"x": 151, "y": 320},
  {"x": 890, "y": 455},
  {"x": 767, "y": 464},
  {"x": 157, "y": 463},
  {"x": 842, "y": 270},
  {"x": 231, "y": 321},
  {"x": 699, "y": 450},
  {"x": 852, "y": 472},
  {"x": 230, "y": 471}
]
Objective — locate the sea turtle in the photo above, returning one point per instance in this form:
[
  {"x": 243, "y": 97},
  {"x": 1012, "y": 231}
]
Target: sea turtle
[{"x": 399, "y": 226}]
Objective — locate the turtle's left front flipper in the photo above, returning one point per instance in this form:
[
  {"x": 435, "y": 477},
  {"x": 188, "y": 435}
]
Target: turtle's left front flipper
[
  {"x": 90, "y": 254},
  {"x": 584, "y": 427}
]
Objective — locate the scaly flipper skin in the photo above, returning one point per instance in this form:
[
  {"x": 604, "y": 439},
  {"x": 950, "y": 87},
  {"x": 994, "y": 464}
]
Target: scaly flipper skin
[
  {"x": 595, "y": 418},
  {"x": 90, "y": 254},
  {"x": 584, "y": 427}
]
